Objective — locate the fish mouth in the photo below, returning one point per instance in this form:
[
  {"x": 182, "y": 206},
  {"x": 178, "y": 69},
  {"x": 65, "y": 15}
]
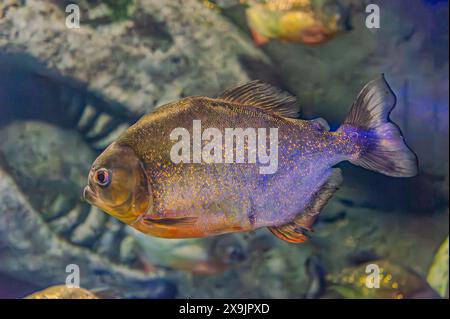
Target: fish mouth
[{"x": 89, "y": 195}]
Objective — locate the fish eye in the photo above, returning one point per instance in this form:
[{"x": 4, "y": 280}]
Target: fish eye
[
  {"x": 235, "y": 254},
  {"x": 103, "y": 177}
]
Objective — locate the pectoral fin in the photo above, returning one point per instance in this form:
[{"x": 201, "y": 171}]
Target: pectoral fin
[
  {"x": 168, "y": 224},
  {"x": 295, "y": 231},
  {"x": 181, "y": 221}
]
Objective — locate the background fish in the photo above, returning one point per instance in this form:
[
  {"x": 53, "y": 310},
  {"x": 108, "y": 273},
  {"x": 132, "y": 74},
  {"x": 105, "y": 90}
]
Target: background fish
[
  {"x": 135, "y": 180},
  {"x": 196, "y": 255},
  {"x": 300, "y": 21},
  {"x": 396, "y": 282},
  {"x": 63, "y": 292},
  {"x": 438, "y": 273}
]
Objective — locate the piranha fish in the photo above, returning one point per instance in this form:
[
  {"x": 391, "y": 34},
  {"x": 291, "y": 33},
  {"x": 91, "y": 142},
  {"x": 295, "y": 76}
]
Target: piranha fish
[
  {"x": 137, "y": 181},
  {"x": 298, "y": 21},
  {"x": 63, "y": 292},
  {"x": 203, "y": 256}
]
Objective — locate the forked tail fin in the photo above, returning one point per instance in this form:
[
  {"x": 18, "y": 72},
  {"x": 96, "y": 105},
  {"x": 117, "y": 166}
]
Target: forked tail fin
[{"x": 382, "y": 147}]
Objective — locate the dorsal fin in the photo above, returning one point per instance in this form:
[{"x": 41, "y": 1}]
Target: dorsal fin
[{"x": 264, "y": 96}]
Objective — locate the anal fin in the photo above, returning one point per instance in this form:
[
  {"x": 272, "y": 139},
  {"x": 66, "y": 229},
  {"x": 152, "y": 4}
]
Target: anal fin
[{"x": 295, "y": 231}]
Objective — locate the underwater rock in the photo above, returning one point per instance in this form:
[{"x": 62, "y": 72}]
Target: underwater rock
[
  {"x": 45, "y": 160},
  {"x": 44, "y": 221},
  {"x": 163, "y": 51}
]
